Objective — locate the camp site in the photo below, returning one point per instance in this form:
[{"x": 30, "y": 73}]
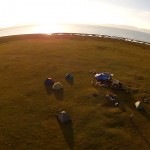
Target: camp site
[{"x": 73, "y": 92}]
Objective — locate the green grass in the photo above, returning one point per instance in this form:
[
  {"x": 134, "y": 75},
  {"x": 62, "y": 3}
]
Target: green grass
[{"x": 27, "y": 112}]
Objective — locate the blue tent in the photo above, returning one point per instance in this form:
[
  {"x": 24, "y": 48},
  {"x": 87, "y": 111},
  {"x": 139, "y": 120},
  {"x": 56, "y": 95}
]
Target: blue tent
[
  {"x": 49, "y": 82},
  {"x": 64, "y": 117},
  {"x": 69, "y": 76},
  {"x": 103, "y": 76}
]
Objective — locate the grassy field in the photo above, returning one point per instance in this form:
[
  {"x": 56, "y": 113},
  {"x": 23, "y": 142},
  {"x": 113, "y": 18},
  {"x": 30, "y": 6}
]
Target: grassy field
[{"x": 27, "y": 111}]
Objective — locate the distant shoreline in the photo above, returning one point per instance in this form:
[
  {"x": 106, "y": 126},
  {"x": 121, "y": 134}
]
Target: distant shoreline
[
  {"x": 85, "y": 35},
  {"x": 88, "y": 30},
  {"x": 104, "y": 36}
]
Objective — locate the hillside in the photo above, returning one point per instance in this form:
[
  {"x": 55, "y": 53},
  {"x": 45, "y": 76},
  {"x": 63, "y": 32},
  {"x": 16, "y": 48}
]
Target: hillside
[{"x": 27, "y": 111}]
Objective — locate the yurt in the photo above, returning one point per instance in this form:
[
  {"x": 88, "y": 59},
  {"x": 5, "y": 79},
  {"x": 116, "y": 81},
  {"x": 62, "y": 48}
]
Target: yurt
[{"x": 57, "y": 86}]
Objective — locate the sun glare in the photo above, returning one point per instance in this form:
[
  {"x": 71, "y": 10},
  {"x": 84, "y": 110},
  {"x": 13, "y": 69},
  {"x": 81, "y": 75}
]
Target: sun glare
[
  {"x": 48, "y": 28},
  {"x": 45, "y": 12}
]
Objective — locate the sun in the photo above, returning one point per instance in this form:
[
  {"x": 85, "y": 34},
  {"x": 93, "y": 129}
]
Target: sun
[{"x": 48, "y": 28}]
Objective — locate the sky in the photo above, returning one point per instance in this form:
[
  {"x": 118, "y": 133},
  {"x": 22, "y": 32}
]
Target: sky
[{"x": 92, "y": 12}]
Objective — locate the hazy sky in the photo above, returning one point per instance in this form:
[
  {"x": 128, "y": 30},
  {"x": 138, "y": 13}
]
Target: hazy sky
[{"x": 123, "y": 12}]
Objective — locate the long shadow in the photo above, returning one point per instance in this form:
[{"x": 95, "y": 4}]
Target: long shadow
[
  {"x": 122, "y": 106},
  {"x": 48, "y": 89},
  {"x": 59, "y": 94},
  {"x": 67, "y": 130},
  {"x": 145, "y": 114},
  {"x": 108, "y": 103},
  {"x": 140, "y": 133},
  {"x": 125, "y": 99},
  {"x": 128, "y": 99},
  {"x": 71, "y": 82}
]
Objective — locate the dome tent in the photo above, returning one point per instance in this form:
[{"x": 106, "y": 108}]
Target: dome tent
[
  {"x": 69, "y": 76},
  {"x": 63, "y": 117},
  {"x": 104, "y": 76},
  {"x": 57, "y": 86},
  {"x": 138, "y": 105},
  {"x": 49, "y": 82}
]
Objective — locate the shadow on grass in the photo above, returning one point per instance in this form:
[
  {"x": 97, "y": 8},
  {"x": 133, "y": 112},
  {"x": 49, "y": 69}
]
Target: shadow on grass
[
  {"x": 128, "y": 99},
  {"x": 122, "y": 106},
  {"x": 125, "y": 99},
  {"x": 145, "y": 114},
  {"x": 48, "y": 89},
  {"x": 59, "y": 94},
  {"x": 67, "y": 130},
  {"x": 109, "y": 103},
  {"x": 71, "y": 82},
  {"x": 140, "y": 133}
]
